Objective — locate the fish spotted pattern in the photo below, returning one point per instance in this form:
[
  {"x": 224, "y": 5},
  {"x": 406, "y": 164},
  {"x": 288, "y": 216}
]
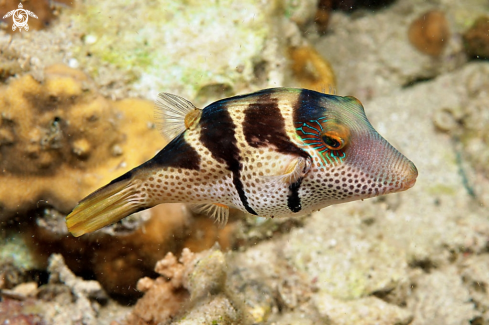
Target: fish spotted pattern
[{"x": 277, "y": 152}]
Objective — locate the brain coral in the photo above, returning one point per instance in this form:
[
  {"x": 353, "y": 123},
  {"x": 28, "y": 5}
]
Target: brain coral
[{"x": 60, "y": 140}]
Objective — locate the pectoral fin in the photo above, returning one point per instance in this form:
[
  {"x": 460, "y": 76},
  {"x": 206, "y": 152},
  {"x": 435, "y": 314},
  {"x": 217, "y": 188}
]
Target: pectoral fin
[{"x": 294, "y": 171}]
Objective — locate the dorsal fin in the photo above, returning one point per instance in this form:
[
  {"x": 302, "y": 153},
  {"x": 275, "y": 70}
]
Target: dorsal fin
[
  {"x": 218, "y": 212},
  {"x": 170, "y": 114}
]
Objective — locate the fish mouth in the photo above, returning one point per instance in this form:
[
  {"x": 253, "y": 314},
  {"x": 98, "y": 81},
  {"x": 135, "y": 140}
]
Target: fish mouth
[{"x": 410, "y": 178}]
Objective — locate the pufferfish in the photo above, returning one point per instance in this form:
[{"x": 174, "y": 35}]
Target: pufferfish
[{"x": 274, "y": 153}]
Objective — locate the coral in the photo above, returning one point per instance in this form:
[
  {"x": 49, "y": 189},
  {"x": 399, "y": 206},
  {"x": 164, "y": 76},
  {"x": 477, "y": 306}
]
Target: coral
[
  {"x": 14, "y": 254},
  {"x": 372, "y": 55},
  {"x": 323, "y": 14},
  {"x": 121, "y": 254},
  {"x": 66, "y": 299},
  {"x": 191, "y": 291},
  {"x": 311, "y": 70},
  {"x": 429, "y": 33},
  {"x": 11, "y": 275},
  {"x": 66, "y": 140},
  {"x": 82, "y": 290},
  {"x": 15, "y": 312},
  {"x": 183, "y": 39},
  {"x": 476, "y": 39},
  {"x": 300, "y": 12}
]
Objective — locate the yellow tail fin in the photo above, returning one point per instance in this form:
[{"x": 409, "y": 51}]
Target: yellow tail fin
[{"x": 105, "y": 206}]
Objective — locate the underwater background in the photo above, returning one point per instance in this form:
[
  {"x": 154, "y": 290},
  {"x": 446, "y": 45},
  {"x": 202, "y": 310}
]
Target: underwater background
[{"x": 76, "y": 111}]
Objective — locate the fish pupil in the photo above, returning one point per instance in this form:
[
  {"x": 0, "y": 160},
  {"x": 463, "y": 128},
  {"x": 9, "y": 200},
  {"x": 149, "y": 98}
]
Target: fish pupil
[{"x": 331, "y": 142}]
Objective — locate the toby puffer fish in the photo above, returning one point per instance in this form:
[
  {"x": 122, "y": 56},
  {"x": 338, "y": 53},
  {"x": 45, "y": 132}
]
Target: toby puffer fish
[{"x": 273, "y": 153}]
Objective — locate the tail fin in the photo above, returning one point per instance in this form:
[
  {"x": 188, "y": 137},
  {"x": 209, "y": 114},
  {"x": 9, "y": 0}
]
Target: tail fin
[{"x": 105, "y": 206}]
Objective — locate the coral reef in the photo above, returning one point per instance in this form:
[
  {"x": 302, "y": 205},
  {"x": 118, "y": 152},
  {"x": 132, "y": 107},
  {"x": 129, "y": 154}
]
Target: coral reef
[
  {"x": 121, "y": 254},
  {"x": 66, "y": 140},
  {"x": 311, "y": 70},
  {"x": 66, "y": 299},
  {"x": 380, "y": 58},
  {"x": 413, "y": 258},
  {"x": 190, "y": 292},
  {"x": 476, "y": 39},
  {"x": 325, "y": 7},
  {"x": 429, "y": 33},
  {"x": 440, "y": 298},
  {"x": 178, "y": 38}
]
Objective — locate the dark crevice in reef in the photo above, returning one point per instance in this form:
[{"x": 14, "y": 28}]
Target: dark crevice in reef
[
  {"x": 425, "y": 264},
  {"x": 416, "y": 81}
]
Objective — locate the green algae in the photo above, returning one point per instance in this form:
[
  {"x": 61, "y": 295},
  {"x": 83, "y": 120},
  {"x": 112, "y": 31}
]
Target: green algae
[
  {"x": 14, "y": 249},
  {"x": 441, "y": 189},
  {"x": 183, "y": 45}
]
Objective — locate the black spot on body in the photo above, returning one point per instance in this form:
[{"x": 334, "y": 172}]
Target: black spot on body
[
  {"x": 264, "y": 126},
  {"x": 218, "y": 135},
  {"x": 177, "y": 154},
  {"x": 293, "y": 199}
]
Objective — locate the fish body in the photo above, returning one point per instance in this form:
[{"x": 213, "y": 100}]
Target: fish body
[{"x": 274, "y": 153}]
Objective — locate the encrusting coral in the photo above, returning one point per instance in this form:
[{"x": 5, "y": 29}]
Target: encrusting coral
[
  {"x": 121, "y": 254},
  {"x": 476, "y": 39},
  {"x": 189, "y": 290},
  {"x": 311, "y": 70},
  {"x": 65, "y": 299},
  {"x": 63, "y": 140},
  {"x": 429, "y": 33}
]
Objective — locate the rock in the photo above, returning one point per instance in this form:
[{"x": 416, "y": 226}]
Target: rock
[
  {"x": 28, "y": 289},
  {"x": 439, "y": 298},
  {"x": 363, "y": 311},
  {"x": 183, "y": 39},
  {"x": 476, "y": 39},
  {"x": 429, "y": 33},
  {"x": 475, "y": 276},
  {"x": 371, "y": 53}
]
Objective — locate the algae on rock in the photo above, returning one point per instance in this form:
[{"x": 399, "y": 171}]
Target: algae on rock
[{"x": 178, "y": 47}]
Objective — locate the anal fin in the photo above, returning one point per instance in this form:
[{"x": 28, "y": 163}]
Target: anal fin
[{"x": 218, "y": 212}]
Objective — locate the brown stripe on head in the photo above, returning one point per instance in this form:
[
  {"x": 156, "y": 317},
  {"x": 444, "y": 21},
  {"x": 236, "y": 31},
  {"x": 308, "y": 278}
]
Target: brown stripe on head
[{"x": 264, "y": 126}]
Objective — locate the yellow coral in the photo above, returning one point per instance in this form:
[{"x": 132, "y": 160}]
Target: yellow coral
[
  {"x": 311, "y": 70},
  {"x": 60, "y": 140}
]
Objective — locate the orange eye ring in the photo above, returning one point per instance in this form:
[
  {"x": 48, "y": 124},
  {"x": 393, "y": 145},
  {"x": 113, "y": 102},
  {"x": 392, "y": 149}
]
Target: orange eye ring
[{"x": 332, "y": 141}]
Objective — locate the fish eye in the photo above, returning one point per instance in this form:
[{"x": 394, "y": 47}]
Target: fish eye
[{"x": 333, "y": 141}]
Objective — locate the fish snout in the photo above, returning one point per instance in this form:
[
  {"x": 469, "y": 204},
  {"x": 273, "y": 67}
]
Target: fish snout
[
  {"x": 409, "y": 177},
  {"x": 383, "y": 169},
  {"x": 401, "y": 175}
]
